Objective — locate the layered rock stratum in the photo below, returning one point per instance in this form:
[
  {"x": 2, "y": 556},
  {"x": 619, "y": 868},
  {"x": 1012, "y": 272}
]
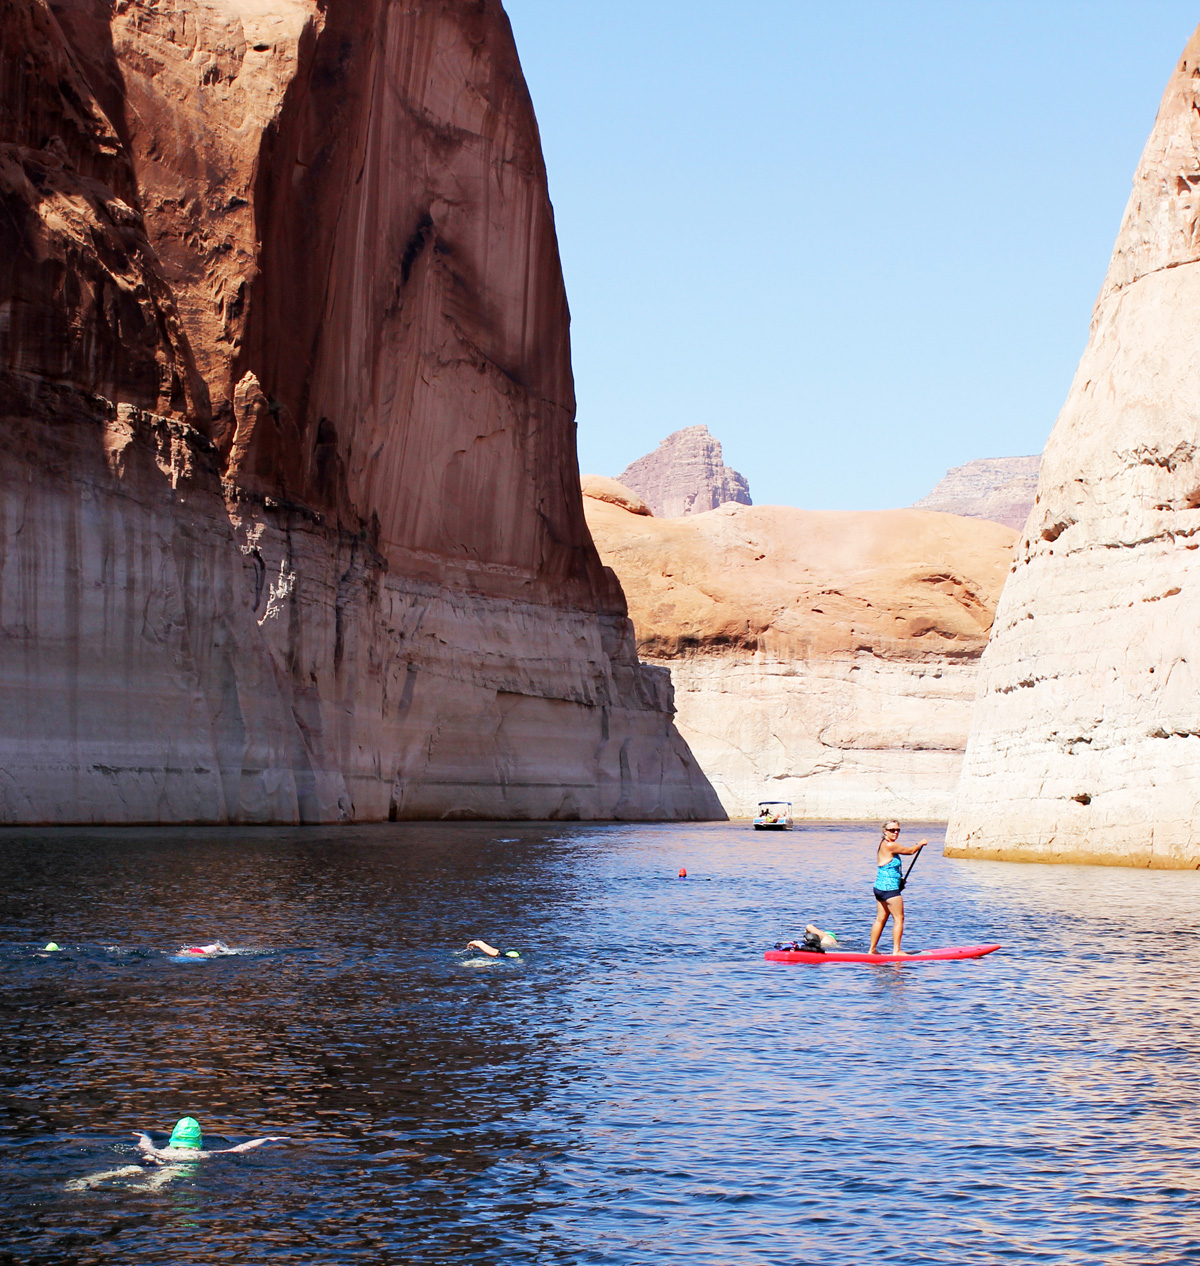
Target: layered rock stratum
[
  {"x": 1086, "y": 739},
  {"x": 291, "y": 523},
  {"x": 686, "y": 474},
  {"x": 1001, "y": 489},
  {"x": 827, "y": 658}
]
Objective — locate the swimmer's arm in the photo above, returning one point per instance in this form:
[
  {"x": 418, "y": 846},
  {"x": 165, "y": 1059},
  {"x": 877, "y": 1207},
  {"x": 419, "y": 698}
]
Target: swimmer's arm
[
  {"x": 907, "y": 852},
  {"x": 483, "y": 945},
  {"x": 146, "y": 1147},
  {"x": 253, "y": 1143}
]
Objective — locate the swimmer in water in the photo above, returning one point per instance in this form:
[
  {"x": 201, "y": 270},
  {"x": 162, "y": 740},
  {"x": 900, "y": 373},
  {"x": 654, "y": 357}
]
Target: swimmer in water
[
  {"x": 185, "y": 1145},
  {"x": 816, "y": 940},
  {"x": 491, "y": 951},
  {"x": 217, "y": 947}
]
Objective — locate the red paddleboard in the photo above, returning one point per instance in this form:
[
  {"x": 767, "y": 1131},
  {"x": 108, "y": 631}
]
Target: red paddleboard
[{"x": 842, "y": 956}]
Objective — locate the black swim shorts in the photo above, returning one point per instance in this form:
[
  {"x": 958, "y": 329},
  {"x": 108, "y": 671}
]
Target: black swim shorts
[{"x": 885, "y": 897}]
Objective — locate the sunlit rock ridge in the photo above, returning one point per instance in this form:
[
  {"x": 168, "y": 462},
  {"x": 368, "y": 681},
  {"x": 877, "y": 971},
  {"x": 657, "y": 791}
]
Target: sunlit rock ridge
[
  {"x": 1085, "y": 745},
  {"x": 291, "y": 523},
  {"x": 823, "y": 657}
]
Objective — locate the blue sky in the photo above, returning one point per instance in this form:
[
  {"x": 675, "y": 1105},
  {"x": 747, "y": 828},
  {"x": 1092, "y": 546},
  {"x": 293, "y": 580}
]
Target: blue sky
[{"x": 860, "y": 241}]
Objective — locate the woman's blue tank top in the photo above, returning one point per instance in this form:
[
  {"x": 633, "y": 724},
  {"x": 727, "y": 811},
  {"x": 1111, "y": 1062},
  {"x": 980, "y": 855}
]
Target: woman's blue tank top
[{"x": 887, "y": 877}]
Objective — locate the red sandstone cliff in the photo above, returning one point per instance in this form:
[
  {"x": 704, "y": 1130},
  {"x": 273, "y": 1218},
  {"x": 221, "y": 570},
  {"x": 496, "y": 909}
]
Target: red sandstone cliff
[{"x": 291, "y": 520}]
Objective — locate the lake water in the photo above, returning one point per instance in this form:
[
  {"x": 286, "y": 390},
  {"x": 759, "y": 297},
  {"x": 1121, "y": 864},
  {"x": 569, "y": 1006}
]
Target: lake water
[{"x": 640, "y": 1087}]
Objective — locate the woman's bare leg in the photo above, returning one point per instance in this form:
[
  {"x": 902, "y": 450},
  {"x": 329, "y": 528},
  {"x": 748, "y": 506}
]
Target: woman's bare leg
[
  {"x": 896, "y": 910},
  {"x": 881, "y": 914}
]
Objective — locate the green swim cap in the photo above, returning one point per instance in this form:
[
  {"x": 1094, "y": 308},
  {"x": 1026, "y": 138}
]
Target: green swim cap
[
  {"x": 187, "y": 1134},
  {"x": 511, "y": 954},
  {"x": 52, "y": 946}
]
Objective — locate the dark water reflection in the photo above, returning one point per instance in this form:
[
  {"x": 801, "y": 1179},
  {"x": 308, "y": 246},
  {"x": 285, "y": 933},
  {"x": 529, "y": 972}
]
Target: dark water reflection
[{"x": 640, "y": 1088}]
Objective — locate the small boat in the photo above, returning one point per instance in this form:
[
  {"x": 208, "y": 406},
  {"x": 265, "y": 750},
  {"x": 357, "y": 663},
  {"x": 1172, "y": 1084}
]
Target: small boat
[
  {"x": 773, "y": 815},
  {"x": 949, "y": 954}
]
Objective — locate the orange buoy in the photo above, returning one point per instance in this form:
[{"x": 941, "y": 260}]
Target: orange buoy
[{"x": 683, "y": 872}]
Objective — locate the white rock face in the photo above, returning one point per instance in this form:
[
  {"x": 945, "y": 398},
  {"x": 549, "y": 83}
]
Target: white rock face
[
  {"x": 1085, "y": 744},
  {"x": 848, "y": 738},
  {"x": 685, "y": 475},
  {"x": 1000, "y": 489}
]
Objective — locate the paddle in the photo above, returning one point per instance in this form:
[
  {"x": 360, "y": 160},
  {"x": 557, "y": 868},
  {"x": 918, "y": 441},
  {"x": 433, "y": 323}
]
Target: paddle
[{"x": 904, "y": 877}]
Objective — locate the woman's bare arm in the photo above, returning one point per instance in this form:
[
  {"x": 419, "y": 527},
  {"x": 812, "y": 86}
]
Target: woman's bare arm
[{"x": 253, "y": 1143}]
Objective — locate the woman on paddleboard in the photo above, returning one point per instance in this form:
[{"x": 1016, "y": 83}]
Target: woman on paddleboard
[{"x": 889, "y": 881}]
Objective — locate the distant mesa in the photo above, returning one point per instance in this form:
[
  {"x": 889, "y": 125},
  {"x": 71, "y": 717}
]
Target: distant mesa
[
  {"x": 1000, "y": 489},
  {"x": 685, "y": 475}
]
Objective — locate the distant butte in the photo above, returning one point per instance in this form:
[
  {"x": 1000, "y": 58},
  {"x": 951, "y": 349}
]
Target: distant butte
[{"x": 685, "y": 475}]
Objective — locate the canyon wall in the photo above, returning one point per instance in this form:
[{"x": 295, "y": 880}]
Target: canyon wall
[
  {"x": 686, "y": 474},
  {"x": 1085, "y": 744},
  {"x": 291, "y": 527},
  {"x": 825, "y": 658},
  {"x": 1001, "y": 489}
]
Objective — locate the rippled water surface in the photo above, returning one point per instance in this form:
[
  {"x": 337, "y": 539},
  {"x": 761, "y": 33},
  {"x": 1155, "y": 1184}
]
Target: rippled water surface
[{"x": 639, "y": 1087}]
